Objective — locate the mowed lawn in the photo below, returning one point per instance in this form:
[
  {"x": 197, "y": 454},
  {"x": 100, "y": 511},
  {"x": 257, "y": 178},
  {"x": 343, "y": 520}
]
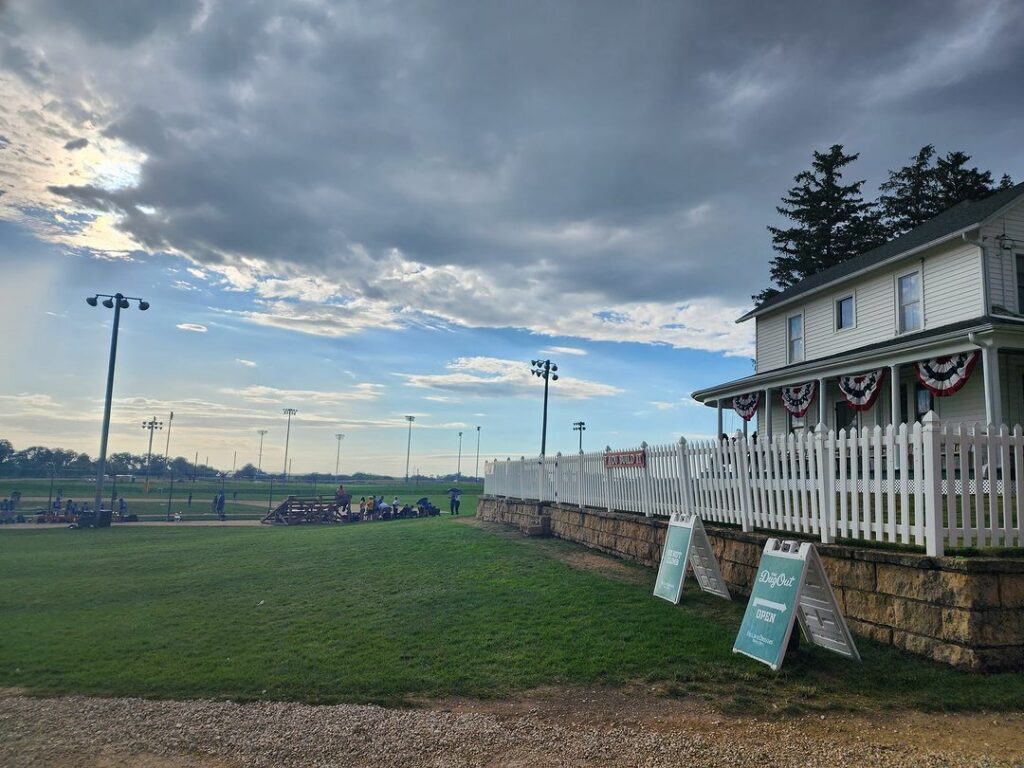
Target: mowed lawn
[{"x": 393, "y": 612}]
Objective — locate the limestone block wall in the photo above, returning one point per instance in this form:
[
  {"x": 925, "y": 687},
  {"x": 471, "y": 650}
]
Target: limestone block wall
[{"x": 967, "y": 612}]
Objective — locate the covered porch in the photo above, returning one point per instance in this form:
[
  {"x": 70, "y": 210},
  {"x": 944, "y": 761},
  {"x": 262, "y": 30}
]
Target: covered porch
[{"x": 895, "y": 381}]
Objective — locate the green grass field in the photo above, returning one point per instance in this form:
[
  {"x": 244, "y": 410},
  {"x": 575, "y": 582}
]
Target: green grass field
[
  {"x": 244, "y": 499},
  {"x": 393, "y": 612}
]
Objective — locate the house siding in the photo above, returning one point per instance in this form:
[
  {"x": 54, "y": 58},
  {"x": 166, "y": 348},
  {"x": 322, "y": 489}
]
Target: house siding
[
  {"x": 952, "y": 290},
  {"x": 1002, "y": 268}
]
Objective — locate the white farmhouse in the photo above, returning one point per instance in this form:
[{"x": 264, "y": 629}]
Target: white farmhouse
[{"x": 933, "y": 320}]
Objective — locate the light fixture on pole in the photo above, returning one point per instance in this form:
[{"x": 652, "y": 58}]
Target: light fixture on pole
[
  {"x": 408, "y": 447},
  {"x": 151, "y": 425},
  {"x": 167, "y": 445},
  {"x": 581, "y": 427},
  {"x": 259, "y": 461},
  {"x": 289, "y": 412},
  {"x": 476, "y": 472},
  {"x": 544, "y": 369},
  {"x": 117, "y": 302},
  {"x": 458, "y": 468},
  {"x": 337, "y": 459}
]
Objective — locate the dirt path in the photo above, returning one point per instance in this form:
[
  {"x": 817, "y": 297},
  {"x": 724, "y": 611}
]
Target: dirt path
[{"x": 556, "y": 727}]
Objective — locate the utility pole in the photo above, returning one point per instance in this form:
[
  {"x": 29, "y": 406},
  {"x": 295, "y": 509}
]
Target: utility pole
[
  {"x": 234, "y": 463},
  {"x": 408, "y": 447},
  {"x": 337, "y": 459},
  {"x": 458, "y": 470},
  {"x": 544, "y": 369},
  {"x": 476, "y": 472},
  {"x": 151, "y": 425},
  {"x": 259, "y": 462},
  {"x": 581, "y": 427},
  {"x": 289, "y": 412}
]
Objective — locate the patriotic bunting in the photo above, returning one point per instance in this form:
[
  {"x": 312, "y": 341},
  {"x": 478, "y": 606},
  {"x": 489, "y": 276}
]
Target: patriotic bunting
[
  {"x": 862, "y": 390},
  {"x": 746, "y": 405},
  {"x": 797, "y": 400},
  {"x": 943, "y": 376}
]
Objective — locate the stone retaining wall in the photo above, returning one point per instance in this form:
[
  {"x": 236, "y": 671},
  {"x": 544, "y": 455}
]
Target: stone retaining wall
[{"x": 967, "y": 612}]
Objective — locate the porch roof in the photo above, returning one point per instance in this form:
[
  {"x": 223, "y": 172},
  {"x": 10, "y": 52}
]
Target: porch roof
[{"x": 945, "y": 339}]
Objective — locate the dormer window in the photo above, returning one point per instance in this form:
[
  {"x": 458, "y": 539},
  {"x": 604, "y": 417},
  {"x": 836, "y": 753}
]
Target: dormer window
[
  {"x": 908, "y": 297},
  {"x": 795, "y": 337},
  {"x": 844, "y": 313}
]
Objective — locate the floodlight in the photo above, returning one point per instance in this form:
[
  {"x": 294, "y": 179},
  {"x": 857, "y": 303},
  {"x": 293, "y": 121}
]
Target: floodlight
[
  {"x": 91, "y": 301},
  {"x": 554, "y": 367},
  {"x": 108, "y": 303},
  {"x": 554, "y": 377},
  {"x": 124, "y": 303},
  {"x": 143, "y": 305}
]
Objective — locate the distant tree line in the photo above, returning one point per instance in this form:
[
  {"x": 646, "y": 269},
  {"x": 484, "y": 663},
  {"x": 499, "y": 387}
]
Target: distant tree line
[{"x": 831, "y": 221}]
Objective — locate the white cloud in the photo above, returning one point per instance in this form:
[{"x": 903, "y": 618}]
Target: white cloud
[
  {"x": 246, "y": 363},
  {"x": 192, "y": 327},
  {"x": 575, "y": 351},
  {"x": 495, "y": 377}
]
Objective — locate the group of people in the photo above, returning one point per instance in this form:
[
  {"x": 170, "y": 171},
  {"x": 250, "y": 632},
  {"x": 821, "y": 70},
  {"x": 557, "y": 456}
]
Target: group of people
[{"x": 377, "y": 508}]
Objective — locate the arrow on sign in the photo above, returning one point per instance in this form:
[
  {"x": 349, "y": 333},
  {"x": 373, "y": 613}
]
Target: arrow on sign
[{"x": 769, "y": 604}]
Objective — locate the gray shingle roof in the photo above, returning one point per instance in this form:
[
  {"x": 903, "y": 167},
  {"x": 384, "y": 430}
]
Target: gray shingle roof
[{"x": 960, "y": 217}]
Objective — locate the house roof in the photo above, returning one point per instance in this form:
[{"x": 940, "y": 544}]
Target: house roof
[
  {"x": 758, "y": 380},
  {"x": 951, "y": 222}
]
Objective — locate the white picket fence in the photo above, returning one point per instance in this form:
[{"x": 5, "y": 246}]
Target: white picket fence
[{"x": 926, "y": 484}]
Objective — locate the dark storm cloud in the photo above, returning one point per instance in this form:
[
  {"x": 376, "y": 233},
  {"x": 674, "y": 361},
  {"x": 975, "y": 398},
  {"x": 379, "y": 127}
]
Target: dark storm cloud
[
  {"x": 629, "y": 151},
  {"x": 76, "y": 144}
]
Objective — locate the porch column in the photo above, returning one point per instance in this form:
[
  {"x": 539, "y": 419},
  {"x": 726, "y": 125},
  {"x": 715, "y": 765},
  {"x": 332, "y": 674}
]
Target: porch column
[
  {"x": 894, "y": 394},
  {"x": 822, "y": 411},
  {"x": 767, "y": 426},
  {"x": 718, "y": 434},
  {"x": 993, "y": 403},
  {"x": 745, "y": 430}
]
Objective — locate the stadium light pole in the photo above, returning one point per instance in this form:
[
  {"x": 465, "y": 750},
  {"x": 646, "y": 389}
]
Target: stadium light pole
[
  {"x": 581, "y": 427},
  {"x": 117, "y": 302},
  {"x": 544, "y": 369},
  {"x": 408, "y": 447},
  {"x": 476, "y": 472},
  {"x": 259, "y": 461},
  {"x": 458, "y": 467},
  {"x": 289, "y": 412},
  {"x": 151, "y": 425},
  {"x": 337, "y": 459}
]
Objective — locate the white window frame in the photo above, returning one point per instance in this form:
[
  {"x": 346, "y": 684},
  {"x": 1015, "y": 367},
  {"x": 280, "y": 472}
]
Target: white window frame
[
  {"x": 803, "y": 339},
  {"x": 900, "y": 330},
  {"x": 852, "y": 296}
]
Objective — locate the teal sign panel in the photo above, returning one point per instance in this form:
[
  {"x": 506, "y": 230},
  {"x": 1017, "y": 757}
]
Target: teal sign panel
[
  {"x": 772, "y": 609},
  {"x": 672, "y": 570}
]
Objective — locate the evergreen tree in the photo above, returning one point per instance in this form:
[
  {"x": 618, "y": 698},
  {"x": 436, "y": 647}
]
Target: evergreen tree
[
  {"x": 929, "y": 185},
  {"x": 831, "y": 222}
]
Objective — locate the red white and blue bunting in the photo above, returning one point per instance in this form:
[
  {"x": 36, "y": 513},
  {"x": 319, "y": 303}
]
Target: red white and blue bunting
[
  {"x": 862, "y": 389},
  {"x": 746, "y": 405},
  {"x": 797, "y": 400},
  {"x": 943, "y": 376}
]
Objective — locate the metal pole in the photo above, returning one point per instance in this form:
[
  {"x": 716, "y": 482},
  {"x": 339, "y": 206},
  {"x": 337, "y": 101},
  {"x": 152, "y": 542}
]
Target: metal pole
[
  {"x": 195, "y": 466},
  {"x": 337, "y": 459},
  {"x": 259, "y": 461},
  {"x": 167, "y": 447},
  {"x": 544, "y": 425},
  {"x": 234, "y": 463},
  {"x": 270, "y": 501},
  {"x": 476, "y": 472},
  {"x": 289, "y": 412},
  {"x": 408, "y": 447},
  {"x": 49, "y": 503},
  {"x": 170, "y": 494},
  {"x": 101, "y": 466},
  {"x": 458, "y": 469},
  {"x": 151, "y": 425}
]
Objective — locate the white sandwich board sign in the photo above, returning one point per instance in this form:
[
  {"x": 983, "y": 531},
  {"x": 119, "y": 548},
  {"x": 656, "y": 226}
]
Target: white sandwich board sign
[
  {"x": 686, "y": 541},
  {"x": 790, "y": 586}
]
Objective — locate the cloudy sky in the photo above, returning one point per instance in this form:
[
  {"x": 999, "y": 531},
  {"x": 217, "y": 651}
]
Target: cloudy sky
[{"x": 367, "y": 210}]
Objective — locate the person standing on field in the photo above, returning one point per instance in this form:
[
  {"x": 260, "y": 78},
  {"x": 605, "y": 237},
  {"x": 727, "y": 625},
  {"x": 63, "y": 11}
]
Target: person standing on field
[{"x": 453, "y": 500}]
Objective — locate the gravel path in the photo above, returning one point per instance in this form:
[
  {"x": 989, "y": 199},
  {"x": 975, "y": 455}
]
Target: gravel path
[{"x": 561, "y": 730}]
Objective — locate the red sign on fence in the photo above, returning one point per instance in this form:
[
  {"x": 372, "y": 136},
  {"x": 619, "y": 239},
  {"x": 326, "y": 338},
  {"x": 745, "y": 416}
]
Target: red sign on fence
[{"x": 625, "y": 459}]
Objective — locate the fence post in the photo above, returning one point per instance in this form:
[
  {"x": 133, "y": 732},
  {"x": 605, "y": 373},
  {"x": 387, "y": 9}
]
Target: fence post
[
  {"x": 541, "y": 476},
  {"x": 685, "y": 486},
  {"x": 645, "y": 488},
  {"x": 742, "y": 447},
  {"x": 557, "y": 474},
  {"x": 826, "y": 485},
  {"x": 607, "y": 480},
  {"x": 933, "y": 540},
  {"x": 582, "y": 485}
]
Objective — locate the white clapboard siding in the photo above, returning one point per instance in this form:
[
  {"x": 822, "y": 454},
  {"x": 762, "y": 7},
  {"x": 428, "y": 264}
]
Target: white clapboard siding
[{"x": 926, "y": 484}]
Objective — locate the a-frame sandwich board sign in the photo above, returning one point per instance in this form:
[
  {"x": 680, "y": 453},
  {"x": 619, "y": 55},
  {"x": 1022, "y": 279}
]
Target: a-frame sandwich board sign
[
  {"x": 686, "y": 541},
  {"x": 790, "y": 586}
]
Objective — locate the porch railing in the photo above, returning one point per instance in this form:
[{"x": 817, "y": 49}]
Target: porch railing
[{"x": 927, "y": 484}]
